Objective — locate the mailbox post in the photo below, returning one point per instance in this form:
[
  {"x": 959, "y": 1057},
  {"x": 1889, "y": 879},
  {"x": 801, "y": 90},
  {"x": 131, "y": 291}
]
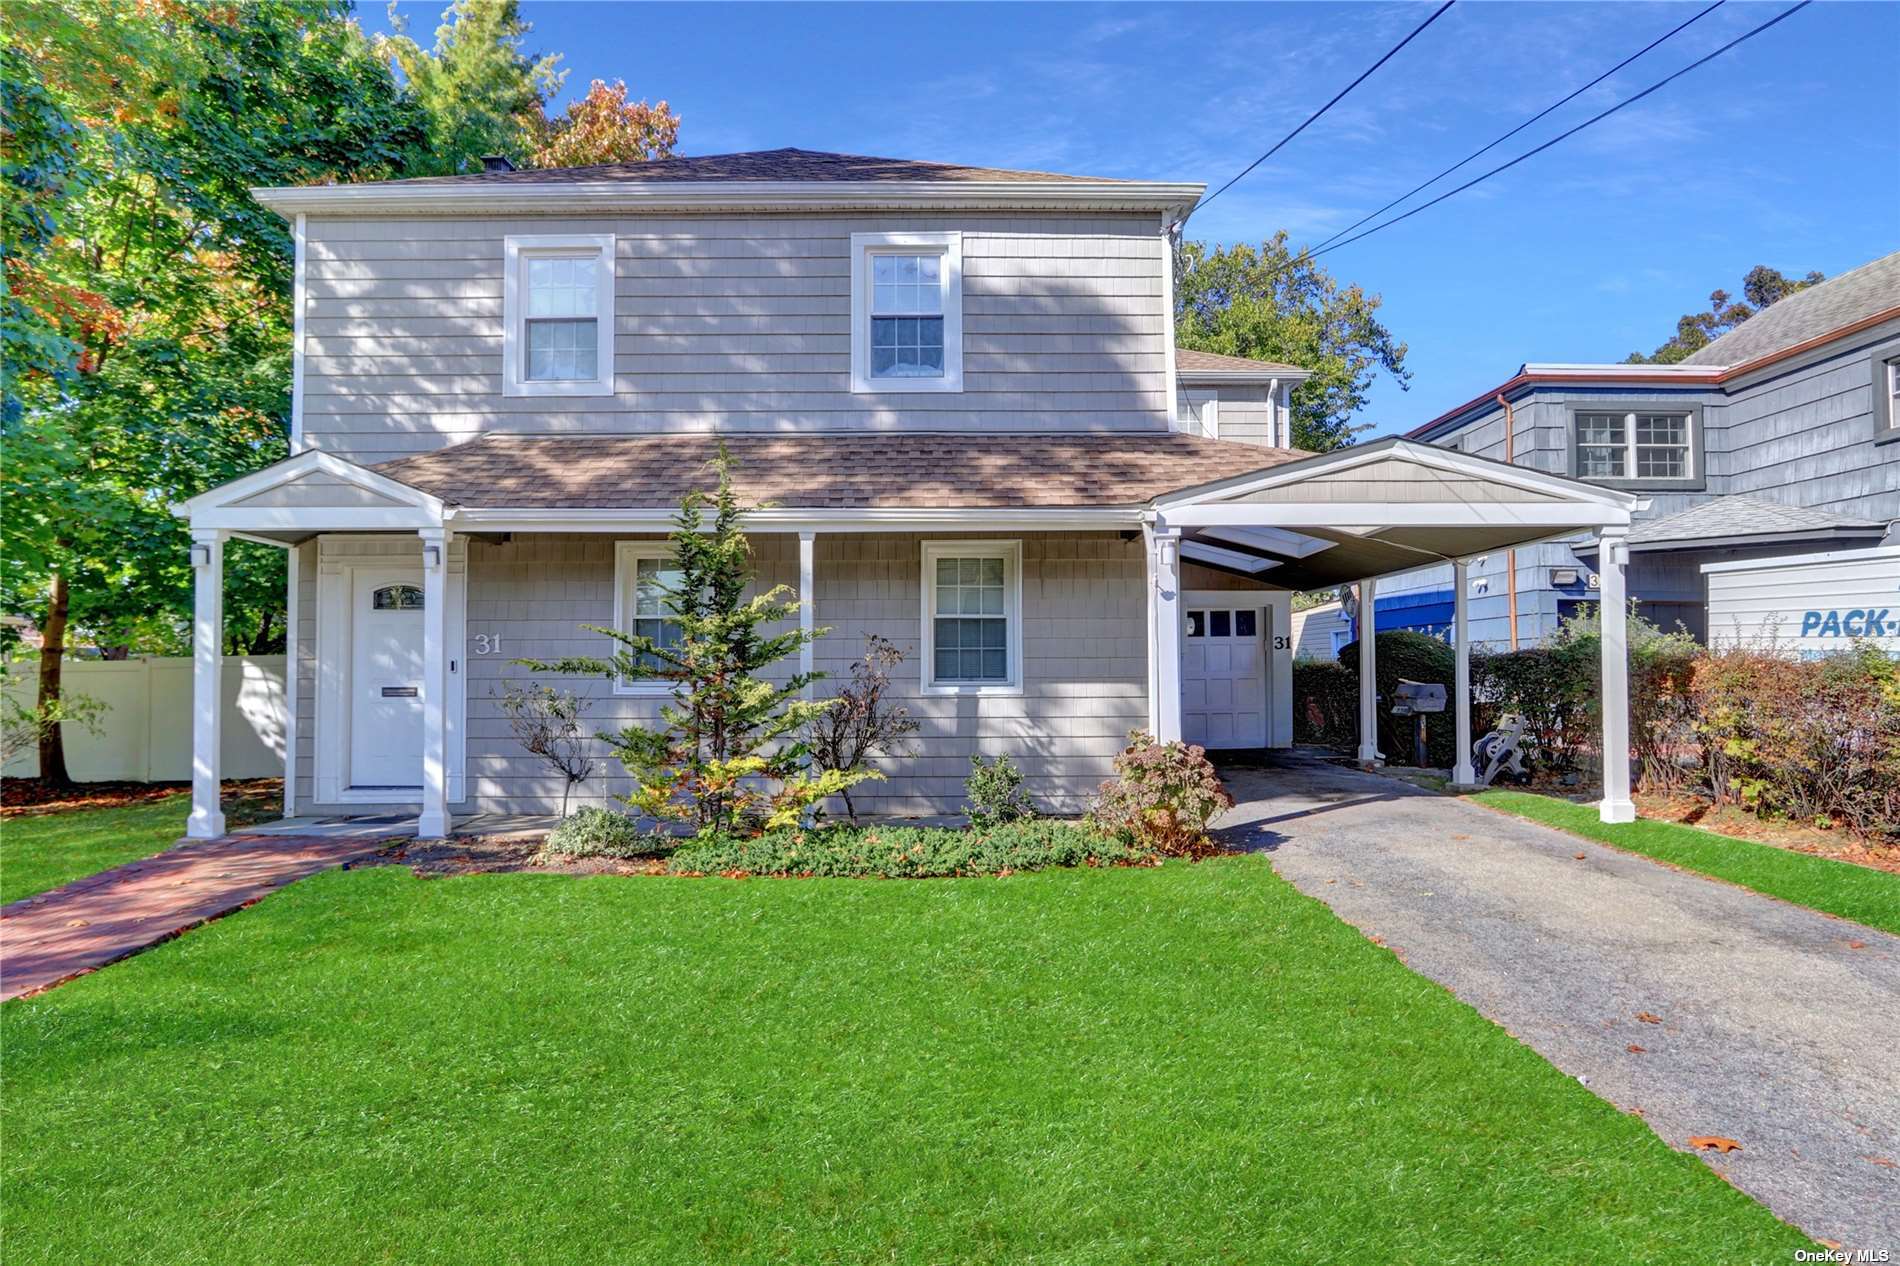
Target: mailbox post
[{"x": 1418, "y": 699}]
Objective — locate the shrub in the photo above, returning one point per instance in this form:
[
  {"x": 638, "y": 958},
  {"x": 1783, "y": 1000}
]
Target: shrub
[
  {"x": 1412, "y": 657},
  {"x": 598, "y": 832},
  {"x": 1814, "y": 740},
  {"x": 995, "y": 793},
  {"x": 1325, "y": 703},
  {"x": 842, "y": 851},
  {"x": 862, "y": 722},
  {"x": 547, "y": 722},
  {"x": 1162, "y": 797}
]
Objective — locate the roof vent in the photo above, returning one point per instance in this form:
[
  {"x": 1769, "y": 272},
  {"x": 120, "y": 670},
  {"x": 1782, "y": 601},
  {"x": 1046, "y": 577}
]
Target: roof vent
[{"x": 496, "y": 162}]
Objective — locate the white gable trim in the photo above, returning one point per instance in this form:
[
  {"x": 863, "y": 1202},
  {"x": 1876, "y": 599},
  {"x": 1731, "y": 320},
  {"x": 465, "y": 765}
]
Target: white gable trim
[
  {"x": 220, "y": 508},
  {"x": 1429, "y": 456}
]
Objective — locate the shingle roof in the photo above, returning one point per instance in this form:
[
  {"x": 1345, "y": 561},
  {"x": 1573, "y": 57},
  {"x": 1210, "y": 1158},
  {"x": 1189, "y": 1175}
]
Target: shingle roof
[
  {"x": 829, "y": 471},
  {"x": 1187, "y": 360},
  {"x": 1726, "y": 517},
  {"x": 756, "y": 165},
  {"x": 1807, "y": 314}
]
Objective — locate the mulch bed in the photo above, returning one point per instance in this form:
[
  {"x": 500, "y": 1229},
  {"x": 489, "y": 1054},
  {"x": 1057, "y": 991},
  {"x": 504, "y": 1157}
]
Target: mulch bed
[
  {"x": 1838, "y": 844},
  {"x": 492, "y": 855},
  {"x": 36, "y": 795}
]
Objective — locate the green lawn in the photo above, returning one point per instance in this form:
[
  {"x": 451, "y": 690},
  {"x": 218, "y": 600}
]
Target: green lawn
[
  {"x": 1190, "y": 1064},
  {"x": 41, "y": 851},
  {"x": 1853, "y": 892}
]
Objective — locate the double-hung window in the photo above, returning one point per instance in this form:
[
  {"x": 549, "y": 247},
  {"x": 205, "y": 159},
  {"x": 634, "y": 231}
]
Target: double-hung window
[
  {"x": 1886, "y": 393},
  {"x": 645, "y": 575},
  {"x": 906, "y": 312},
  {"x": 558, "y": 309},
  {"x": 1644, "y": 445},
  {"x": 972, "y": 616}
]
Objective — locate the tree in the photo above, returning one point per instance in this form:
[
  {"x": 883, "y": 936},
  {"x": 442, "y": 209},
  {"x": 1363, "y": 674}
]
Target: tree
[
  {"x": 1269, "y": 303},
  {"x": 604, "y": 127},
  {"x": 725, "y": 755},
  {"x": 1761, "y": 288},
  {"x": 150, "y": 293},
  {"x": 480, "y": 93}
]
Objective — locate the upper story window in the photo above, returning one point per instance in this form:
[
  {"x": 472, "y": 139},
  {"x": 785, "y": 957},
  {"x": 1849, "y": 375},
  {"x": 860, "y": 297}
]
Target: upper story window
[
  {"x": 1886, "y": 392},
  {"x": 558, "y": 309},
  {"x": 906, "y": 312},
  {"x": 1638, "y": 446}
]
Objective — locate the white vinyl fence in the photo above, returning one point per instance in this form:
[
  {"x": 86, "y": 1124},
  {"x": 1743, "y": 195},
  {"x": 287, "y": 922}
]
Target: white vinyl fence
[{"x": 145, "y": 733}]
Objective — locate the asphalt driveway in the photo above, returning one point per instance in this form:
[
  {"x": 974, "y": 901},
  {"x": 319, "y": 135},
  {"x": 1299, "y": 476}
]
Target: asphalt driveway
[{"x": 1709, "y": 1009}]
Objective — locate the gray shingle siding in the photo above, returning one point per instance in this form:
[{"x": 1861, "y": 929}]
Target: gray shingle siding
[{"x": 729, "y": 322}]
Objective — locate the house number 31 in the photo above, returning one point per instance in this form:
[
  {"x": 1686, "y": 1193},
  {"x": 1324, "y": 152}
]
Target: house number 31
[{"x": 488, "y": 643}]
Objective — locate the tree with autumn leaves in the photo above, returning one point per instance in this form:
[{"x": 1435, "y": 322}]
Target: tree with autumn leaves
[{"x": 145, "y": 322}]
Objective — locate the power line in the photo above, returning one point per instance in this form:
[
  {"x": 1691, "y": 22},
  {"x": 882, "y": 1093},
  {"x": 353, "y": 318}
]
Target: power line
[
  {"x": 1436, "y": 14},
  {"x": 1596, "y": 118},
  {"x": 1541, "y": 114}
]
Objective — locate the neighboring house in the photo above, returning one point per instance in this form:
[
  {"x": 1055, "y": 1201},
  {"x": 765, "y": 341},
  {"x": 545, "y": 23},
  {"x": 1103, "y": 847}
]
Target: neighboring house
[
  {"x": 1780, "y": 437},
  {"x": 1321, "y": 632},
  {"x": 953, "y": 392}
]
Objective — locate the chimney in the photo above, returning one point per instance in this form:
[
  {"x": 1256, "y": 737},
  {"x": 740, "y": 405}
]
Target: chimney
[{"x": 496, "y": 162}]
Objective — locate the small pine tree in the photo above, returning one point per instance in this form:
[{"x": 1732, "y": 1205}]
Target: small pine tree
[{"x": 725, "y": 755}]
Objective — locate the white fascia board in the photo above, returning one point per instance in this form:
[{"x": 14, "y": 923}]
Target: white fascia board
[
  {"x": 1373, "y": 516},
  {"x": 602, "y": 196},
  {"x": 243, "y": 519},
  {"x": 789, "y": 519},
  {"x": 310, "y": 461}
]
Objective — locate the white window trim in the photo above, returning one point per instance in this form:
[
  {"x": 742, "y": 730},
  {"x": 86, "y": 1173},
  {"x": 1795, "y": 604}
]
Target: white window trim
[
  {"x": 1011, "y": 552},
  {"x": 518, "y": 250},
  {"x": 626, "y": 555},
  {"x": 1689, "y": 420},
  {"x": 950, "y": 247}
]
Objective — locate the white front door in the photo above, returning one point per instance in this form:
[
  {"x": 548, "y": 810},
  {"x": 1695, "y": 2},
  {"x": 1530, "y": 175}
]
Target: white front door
[
  {"x": 1224, "y": 675},
  {"x": 386, "y": 678}
]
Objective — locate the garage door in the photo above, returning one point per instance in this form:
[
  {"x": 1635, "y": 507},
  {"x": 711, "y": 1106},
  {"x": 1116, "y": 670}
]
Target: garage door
[{"x": 1224, "y": 677}]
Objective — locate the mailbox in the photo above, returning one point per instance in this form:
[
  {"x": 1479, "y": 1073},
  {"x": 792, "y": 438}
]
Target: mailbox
[{"x": 1415, "y": 697}]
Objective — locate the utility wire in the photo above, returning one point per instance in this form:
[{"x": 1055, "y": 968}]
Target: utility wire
[
  {"x": 1628, "y": 101},
  {"x": 1541, "y": 114},
  {"x": 1436, "y": 14}
]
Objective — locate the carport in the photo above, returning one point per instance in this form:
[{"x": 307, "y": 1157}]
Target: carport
[{"x": 1359, "y": 514}]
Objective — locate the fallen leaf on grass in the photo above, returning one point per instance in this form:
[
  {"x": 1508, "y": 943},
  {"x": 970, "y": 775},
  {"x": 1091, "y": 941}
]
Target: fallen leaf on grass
[
  {"x": 1715, "y": 1143},
  {"x": 1649, "y": 1017},
  {"x": 1634, "y": 1049}
]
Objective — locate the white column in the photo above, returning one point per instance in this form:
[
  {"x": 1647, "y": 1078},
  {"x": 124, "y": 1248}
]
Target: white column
[
  {"x": 1612, "y": 555},
  {"x": 207, "y": 670},
  {"x": 291, "y": 615},
  {"x": 807, "y": 601},
  {"x": 1273, "y": 414},
  {"x": 1462, "y": 774},
  {"x": 1368, "y": 675},
  {"x": 433, "y": 824},
  {"x": 1166, "y": 594}
]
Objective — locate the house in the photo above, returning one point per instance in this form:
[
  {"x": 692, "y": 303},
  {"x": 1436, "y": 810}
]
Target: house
[
  {"x": 1322, "y": 631},
  {"x": 953, "y": 393},
  {"x": 1781, "y": 437}
]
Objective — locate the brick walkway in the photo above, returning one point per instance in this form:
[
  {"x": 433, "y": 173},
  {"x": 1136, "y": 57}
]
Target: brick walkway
[{"x": 50, "y": 938}]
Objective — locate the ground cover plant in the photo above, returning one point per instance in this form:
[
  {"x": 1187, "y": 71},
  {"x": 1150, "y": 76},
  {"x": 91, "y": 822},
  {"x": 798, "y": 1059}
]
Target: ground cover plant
[
  {"x": 1187, "y": 1063},
  {"x": 1860, "y": 893},
  {"x": 43, "y": 850}
]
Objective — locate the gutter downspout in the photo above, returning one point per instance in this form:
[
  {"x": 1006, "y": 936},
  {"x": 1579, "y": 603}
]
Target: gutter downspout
[{"x": 1510, "y": 556}]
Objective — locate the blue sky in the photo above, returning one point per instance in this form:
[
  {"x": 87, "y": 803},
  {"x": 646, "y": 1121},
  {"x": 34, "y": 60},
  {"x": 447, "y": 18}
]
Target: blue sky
[{"x": 1785, "y": 151}]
